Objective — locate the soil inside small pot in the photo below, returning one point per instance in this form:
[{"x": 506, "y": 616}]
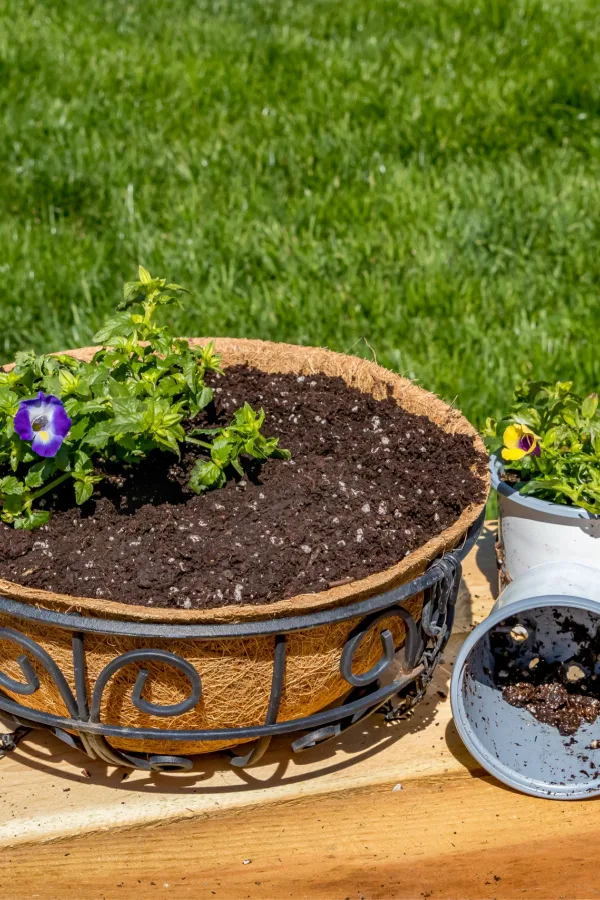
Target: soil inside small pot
[
  {"x": 367, "y": 484},
  {"x": 561, "y": 693}
]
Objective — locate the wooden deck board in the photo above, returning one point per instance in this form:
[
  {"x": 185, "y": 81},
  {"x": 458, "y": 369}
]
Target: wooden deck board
[{"x": 327, "y": 823}]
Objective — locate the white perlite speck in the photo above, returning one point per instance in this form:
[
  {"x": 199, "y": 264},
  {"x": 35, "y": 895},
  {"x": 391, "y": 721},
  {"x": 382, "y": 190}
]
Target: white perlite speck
[
  {"x": 305, "y": 548},
  {"x": 366, "y": 508},
  {"x": 359, "y": 535},
  {"x": 237, "y": 593}
]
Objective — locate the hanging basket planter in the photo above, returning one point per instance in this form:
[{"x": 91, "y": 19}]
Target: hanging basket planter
[{"x": 149, "y": 687}]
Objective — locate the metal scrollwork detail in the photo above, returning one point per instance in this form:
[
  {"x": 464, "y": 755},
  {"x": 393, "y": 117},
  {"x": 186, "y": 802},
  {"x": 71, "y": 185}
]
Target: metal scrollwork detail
[
  {"x": 145, "y": 706},
  {"x": 412, "y": 647},
  {"x": 32, "y": 682}
]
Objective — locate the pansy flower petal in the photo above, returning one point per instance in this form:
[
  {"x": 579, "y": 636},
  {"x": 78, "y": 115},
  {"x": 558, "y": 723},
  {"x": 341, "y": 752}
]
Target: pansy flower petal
[
  {"x": 60, "y": 421},
  {"x": 46, "y": 443},
  {"x": 512, "y": 453},
  {"x": 527, "y": 441},
  {"x": 22, "y": 422},
  {"x": 511, "y": 436}
]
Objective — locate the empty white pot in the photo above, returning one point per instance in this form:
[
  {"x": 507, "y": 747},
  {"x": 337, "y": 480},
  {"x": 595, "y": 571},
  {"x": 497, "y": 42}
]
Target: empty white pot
[{"x": 533, "y": 531}]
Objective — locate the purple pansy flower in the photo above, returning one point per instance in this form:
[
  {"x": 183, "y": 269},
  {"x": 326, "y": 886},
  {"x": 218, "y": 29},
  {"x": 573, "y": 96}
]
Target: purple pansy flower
[
  {"x": 44, "y": 422},
  {"x": 529, "y": 444}
]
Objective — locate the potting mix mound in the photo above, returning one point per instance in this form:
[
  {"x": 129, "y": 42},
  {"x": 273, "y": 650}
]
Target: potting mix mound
[{"x": 367, "y": 484}]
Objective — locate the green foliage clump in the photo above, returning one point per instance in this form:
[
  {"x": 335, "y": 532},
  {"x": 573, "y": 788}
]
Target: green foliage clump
[
  {"x": 134, "y": 397},
  {"x": 561, "y": 459}
]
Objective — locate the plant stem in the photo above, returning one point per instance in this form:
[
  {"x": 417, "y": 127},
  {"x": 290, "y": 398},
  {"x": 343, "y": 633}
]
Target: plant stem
[
  {"x": 50, "y": 485},
  {"x": 190, "y": 440}
]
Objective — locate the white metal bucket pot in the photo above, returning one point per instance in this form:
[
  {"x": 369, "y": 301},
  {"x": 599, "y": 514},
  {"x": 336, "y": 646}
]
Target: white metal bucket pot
[
  {"x": 552, "y": 602},
  {"x": 533, "y": 531}
]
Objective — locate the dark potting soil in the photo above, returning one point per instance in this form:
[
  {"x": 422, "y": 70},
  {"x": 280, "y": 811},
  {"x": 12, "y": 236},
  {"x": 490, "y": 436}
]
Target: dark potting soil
[
  {"x": 367, "y": 484},
  {"x": 553, "y": 704},
  {"x": 562, "y": 693}
]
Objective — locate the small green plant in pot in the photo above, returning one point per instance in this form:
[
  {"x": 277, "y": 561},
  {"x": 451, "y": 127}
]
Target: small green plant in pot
[
  {"x": 546, "y": 470},
  {"x": 62, "y": 419}
]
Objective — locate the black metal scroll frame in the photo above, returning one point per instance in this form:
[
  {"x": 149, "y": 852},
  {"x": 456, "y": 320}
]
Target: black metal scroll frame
[{"x": 82, "y": 728}]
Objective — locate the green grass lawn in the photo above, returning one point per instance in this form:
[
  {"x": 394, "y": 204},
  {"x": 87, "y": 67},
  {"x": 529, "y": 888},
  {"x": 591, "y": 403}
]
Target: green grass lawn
[{"x": 419, "y": 180}]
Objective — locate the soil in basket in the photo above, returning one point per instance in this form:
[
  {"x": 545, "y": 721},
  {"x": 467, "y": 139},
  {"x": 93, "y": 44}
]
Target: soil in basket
[{"x": 367, "y": 484}]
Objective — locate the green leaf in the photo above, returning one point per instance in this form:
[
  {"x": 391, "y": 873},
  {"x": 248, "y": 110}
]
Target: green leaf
[
  {"x": 206, "y": 475},
  {"x": 236, "y": 465},
  {"x": 83, "y": 491},
  {"x": 35, "y": 518},
  {"x": 39, "y": 473},
  {"x": 589, "y": 406},
  {"x": 201, "y": 400},
  {"x": 12, "y": 503},
  {"x": 25, "y": 360},
  {"x": 280, "y": 453},
  {"x": 80, "y": 429},
  {"x": 82, "y": 462},
  {"x": 9, "y": 402},
  {"x": 67, "y": 362},
  {"x": 98, "y": 436},
  {"x": 119, "y": 326},
  {"x": 11, "y": 486},
  {"x": 131, "y": 289},
  {"x": 145, "y": 276},
  {"x": 490, "y": 427},
  {"x": 69, "y": 382},
  {"x": 222, "y": 451}
]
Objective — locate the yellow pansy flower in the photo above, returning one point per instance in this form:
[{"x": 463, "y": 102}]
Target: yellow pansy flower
[{"x": 520, "y": 441}]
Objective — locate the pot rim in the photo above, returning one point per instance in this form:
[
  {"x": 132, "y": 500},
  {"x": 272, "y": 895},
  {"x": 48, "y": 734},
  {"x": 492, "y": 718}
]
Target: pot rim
[
  {"x": 369, "y": 377},
  {"x": 550, "y": 509}
]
